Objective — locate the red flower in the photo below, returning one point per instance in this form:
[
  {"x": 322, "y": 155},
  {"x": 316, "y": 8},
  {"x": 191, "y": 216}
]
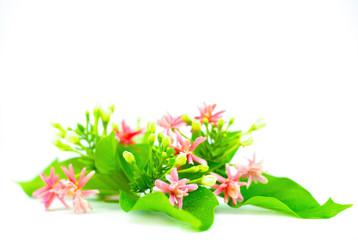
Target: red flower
[{"x": 127, "y": 134}]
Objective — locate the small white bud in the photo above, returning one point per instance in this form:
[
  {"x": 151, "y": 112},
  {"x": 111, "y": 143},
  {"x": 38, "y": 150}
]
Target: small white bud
[
  {"x": 209, "y": 180},
  {"x": 246, "y": 140},
  {"x": 72, "y": 137},
  {"x": 260, "y": 124}
]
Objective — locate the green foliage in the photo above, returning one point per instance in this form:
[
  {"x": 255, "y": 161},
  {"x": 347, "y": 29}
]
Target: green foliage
[
  {"x": 198, "y": 207},
  {"x": 106, "y": 155},
  {"x": 108, "y": 184},
  {"x": 87, "y": 136},
  {"x": 285, "y": 195}
]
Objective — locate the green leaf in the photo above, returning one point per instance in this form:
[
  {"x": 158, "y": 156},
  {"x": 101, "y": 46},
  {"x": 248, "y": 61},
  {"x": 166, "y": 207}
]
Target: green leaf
[
  {"x": 30, "y": 186},
  {"x": 140, "y": 152},
  {"x": 285, "y": 195},
  {"x": 198, "y": 207},
  {"x": 108, "y": 184},
  {"x": 106, "y": 155}
]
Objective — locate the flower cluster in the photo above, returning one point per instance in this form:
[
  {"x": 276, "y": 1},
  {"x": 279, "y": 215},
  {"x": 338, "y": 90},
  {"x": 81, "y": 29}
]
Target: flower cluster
[
  {"x": 177, "y": 188},
  {"x": 185, "y": 147},
  {"x": 70, "y": 188},
  {"x": 186, "y": 165},
  {"x": 175, "y": 163},
  {"x": 231, "y": 185}
]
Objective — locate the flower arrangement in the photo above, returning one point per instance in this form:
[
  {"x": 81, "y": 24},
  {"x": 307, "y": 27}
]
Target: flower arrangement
[{"x": 180, "y": 170}]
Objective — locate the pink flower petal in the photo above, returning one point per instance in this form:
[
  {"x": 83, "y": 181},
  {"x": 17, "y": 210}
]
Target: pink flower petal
[
  {"x": 174, "y": 175},
  {"x": 219, "y": 178},
  {"x": 163, "y": 186},
  {"x": 190, "y": 187},
  {"x": 199, "y": 160},
  {"x": 196, "y": 143}
]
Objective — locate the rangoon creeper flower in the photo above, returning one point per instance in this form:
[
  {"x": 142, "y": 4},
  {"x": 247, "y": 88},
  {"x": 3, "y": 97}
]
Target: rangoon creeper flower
[
  {"x": 126, "y": 135},
  {"x": 185, "y": 146},
  {"x": 231, "y": 186},
  {"x": 72, "y": 188},
  {"x": 170, "y": 123},
  {"x": 177, "y": 188},
  {"x": 45, "y": 194},
  {"x": 207, "y": 112},
  {"x": 253, "y": 172}
]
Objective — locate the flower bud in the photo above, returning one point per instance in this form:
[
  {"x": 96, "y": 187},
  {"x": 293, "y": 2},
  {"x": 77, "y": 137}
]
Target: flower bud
[
  {"x": 246, "y": 139},
  {"x": 129, "y": 157},
  {"x": 72, "y": 137},
  {"x": 164, "y": 155},
  {"x": 111, "y": 108},
  {"x": 115, "y": 126},
  {"x": 205, "y": 121},
  {"x": 160, "y": 137},
  {"x": 220, "y": 123},
  {"x": 105, "y": 115},
  {"x": 203, "y": 168},
  {"x": 196, "y": 125},
  {"x": 180, "y": 160},
  {"x": 59, "y": 127},
  {"x": 260, "y": 123},
  {"x": 231, "y": 121},
  {"x": 166, "y": 142},
  {"x": 63, "y": 147},
  {"x": 193, "y": 169},
  {"x": 151, "y": 139},
  {"x": 186, "y": 119},
  {"x": 97, "y": 111},
  {"x": 209, "y": 180},
  {"x": 151, "y": 127}
]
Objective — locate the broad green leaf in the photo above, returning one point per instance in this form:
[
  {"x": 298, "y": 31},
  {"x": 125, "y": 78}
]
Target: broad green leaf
[
  {"x": 106, "y": 158},
  {"x": 108, "y": 184},
  {"x": 198, "y": 207},
  {"x": 30, "y": 186},
  {"x": 285, "y": 195}
]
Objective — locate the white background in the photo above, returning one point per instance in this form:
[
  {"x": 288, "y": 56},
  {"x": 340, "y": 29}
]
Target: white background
[{"x": 292, "y": 62}]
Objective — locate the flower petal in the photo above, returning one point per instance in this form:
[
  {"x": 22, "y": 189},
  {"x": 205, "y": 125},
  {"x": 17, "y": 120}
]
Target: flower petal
[
  {"x": 197, "y": 142},
  {"x": 199, "y": 160},
  {"x": 219, "y": 178}
]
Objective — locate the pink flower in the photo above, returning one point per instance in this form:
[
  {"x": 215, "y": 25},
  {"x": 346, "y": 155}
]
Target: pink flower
[
  {"x": 46, "y": 194},
  {"x": 71, "y": 188},
  {"x": 170, "y": 123},
  {"x": 125, "y": 136},
  {"x": 207, "y": 112},
  {"x": 231, "y": 186},
  {"x": 185, "y": 146},
  {"x": 177, "y": 188},
  {"x": 253, "y": 171}
]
